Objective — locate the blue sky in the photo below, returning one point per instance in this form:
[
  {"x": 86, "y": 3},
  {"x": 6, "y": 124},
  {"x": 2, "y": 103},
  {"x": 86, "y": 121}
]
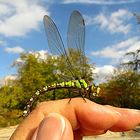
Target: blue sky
[{"x": 111, "y": 29}]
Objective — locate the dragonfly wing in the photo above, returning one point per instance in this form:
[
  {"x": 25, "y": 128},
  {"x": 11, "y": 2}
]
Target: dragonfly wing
[
  {"x": 55, "y": 43},
  {"x": 76, "y": 41}
]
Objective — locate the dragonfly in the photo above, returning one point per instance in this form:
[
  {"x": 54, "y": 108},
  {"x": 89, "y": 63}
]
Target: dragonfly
[{"x": 75, "y": 42}]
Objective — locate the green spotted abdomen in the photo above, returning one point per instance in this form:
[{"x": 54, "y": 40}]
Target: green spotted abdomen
[{"x": 75, "y": 83}]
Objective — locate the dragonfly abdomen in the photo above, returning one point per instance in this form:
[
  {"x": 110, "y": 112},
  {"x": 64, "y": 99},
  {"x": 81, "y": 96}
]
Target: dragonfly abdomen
[
  {"x": 69, "y": 84},
  {"x": 75, "y": 84}
]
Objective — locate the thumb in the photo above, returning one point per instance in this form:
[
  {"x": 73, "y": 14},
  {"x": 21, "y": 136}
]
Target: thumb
[{"x": 54, "y": 127}]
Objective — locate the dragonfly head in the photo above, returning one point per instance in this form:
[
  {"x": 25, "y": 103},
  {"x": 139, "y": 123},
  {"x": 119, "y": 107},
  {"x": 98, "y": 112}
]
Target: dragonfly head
[{"x": 94, "y": 90}]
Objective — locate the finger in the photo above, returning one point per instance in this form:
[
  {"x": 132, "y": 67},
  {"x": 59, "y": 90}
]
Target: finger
[
  {"x": 82, "y": 115},
  {"x": 86, "y": 116},
  {"x": 95, "y": 117},
  {"x": 130, "y": 118},
  {"x": 54, "y": 127}
]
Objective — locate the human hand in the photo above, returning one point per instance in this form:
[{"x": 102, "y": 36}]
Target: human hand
[{"x": 58, "y": 120}]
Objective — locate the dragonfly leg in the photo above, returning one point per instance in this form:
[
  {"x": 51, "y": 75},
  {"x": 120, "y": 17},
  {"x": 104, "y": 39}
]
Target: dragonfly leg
[
  {"x": 88, "y": 92},
  {"x": 89, "y": 95},
  {"x": 85, "y": 93},
  {"x": 80, "y": 92}
]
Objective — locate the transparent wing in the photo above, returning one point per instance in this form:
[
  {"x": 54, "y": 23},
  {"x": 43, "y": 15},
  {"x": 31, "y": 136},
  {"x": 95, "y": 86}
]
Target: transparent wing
[
  {"x": 55, "y": 43},
  {"x": 76, "y": 42}
]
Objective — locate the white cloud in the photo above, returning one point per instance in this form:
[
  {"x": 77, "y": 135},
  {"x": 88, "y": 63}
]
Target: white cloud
[
  {"x": 6, "y": 80},
  {"x": 117, "y": 51},
  {"x": 18, "y": 61},
  {"x": 42, "y": 54},
  {"x": 16, "y": 49},
  {"x": 100, "y": 2},
  {"x": 3, "y": 43},
  {"x": 103, "y": 72},
  {"x": 116, "y": 22},
  {"x": 19, "y": 17},
  {"x": 4, "y": 9}
]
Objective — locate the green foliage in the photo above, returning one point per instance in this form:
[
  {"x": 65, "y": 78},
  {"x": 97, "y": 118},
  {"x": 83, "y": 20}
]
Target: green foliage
[
  {"x": 123, "y": 90},
  {"x": 9, "y": 117},
  {"x": 33, "y": 74},
  {"x": 11, "y": 97},
  {"x": 76, "y": 66},
  {"x": 134, "y": 63}
]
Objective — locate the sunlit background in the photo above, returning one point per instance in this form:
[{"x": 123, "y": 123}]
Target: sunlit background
[{"x": 111, "y": 30}]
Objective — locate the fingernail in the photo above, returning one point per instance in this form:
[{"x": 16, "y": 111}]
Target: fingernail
[
  {"x": 34, "y": 135},
  {"x": 51, "y": 128}
]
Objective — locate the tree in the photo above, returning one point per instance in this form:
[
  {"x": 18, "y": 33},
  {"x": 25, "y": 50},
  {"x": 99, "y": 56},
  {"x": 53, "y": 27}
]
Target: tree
[
  {"x": 133, "y": 64},
  {"x": 77, "y": 66},
  {"x": 123, "y": 90},
  {"x": 137, "y": 16},
  {"x": 11, "y": 97},
  {"x": 35, "y": 73}
]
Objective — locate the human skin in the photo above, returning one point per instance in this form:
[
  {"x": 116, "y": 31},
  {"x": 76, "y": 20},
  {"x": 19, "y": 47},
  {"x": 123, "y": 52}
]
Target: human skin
[{"x": 60, "y": 120}]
